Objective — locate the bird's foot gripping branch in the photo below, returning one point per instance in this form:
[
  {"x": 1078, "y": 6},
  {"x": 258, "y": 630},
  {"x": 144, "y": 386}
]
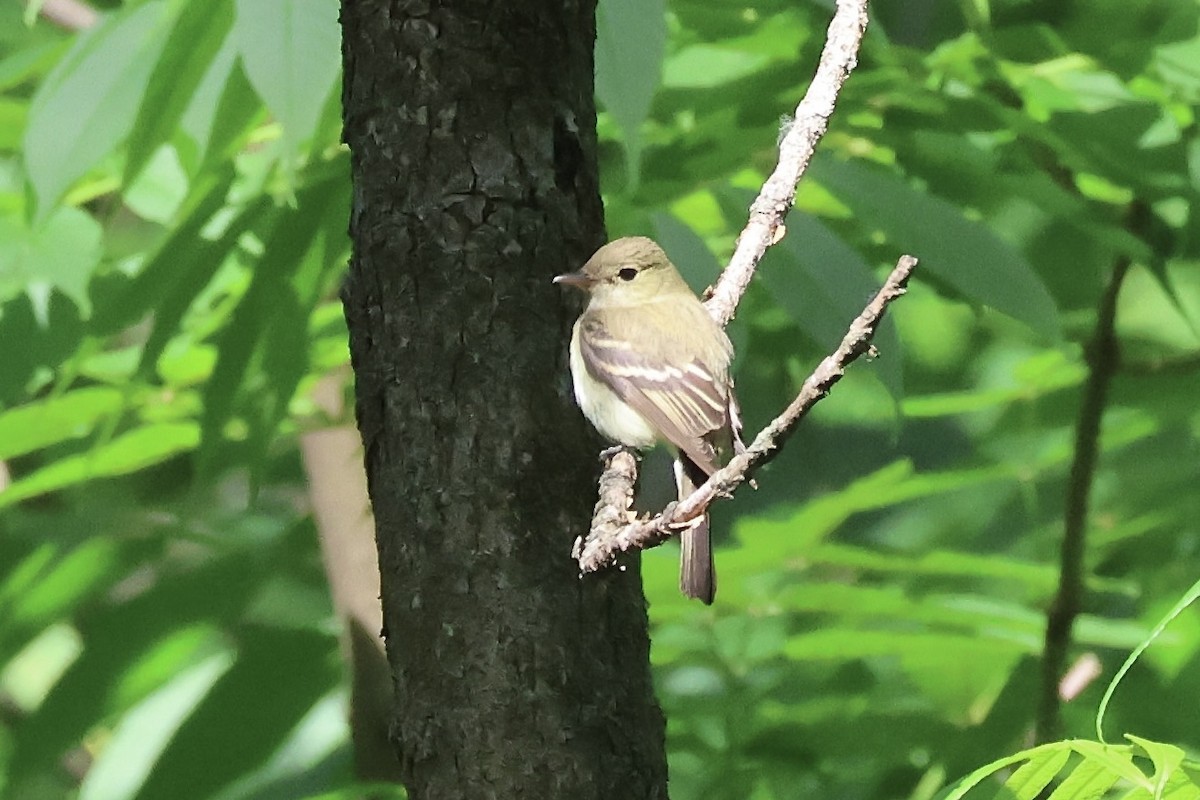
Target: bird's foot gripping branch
[{"x": 615, "y": 528}]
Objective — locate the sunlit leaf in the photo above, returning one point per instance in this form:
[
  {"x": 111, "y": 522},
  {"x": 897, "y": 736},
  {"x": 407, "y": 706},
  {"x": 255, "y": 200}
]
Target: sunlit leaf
[
  {"x": 270, "y": 320},
  {"x": 55, "y": 419},
  {"x": 142, "y": 734},
  {"x": 1032, "y": 777},
  {"x": 291, "y": 53},
  {"x": 28, "y": 678},
  {"x": 243, "y": 751},
  {"x": 170, "y": 261},
  {"x": 704, "y": 66},
  {"x": 58, "y": 253},
  {"x": 129, "y": 452},
  {"x": 1087, "y": 781},
  {"x": 193, "y": 43},
  {"x": 98, "y": 86},
  {"x": 1046, "y": 754},
  {"x": 1116, "y": 759}
]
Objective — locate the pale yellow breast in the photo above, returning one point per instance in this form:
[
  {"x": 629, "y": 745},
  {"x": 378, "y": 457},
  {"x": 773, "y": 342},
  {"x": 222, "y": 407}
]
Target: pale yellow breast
[{"x": 607, "y": 412}]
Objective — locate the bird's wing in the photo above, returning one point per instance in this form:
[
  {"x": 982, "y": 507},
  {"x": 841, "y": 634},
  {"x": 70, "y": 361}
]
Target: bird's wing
[{"x": 684, "y": 402}]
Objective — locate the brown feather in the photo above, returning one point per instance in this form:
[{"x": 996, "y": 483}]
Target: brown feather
[{"x": 686, "y": 399}]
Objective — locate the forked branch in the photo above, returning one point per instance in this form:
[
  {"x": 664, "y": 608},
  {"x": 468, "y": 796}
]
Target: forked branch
[{"x": 614, "y": 530}]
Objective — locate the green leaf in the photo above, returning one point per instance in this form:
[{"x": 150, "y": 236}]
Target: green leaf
[
  {"x": 222, "y": 129},
  {"x": 705, "y": 66},
  {"x": 58, "y": 252},
  {"x": 219, "y": 113},
  {"x": 32, "y": 673},
  {"x": 141, "y": 736},
  {"x": 208, "y": 753},
  {"x": 1166, "y": 758},
  {"x": 195, "y": 39},
  {"x": 963, "y": 253},
  {"x": 1035, "y": 775},
  {"x": 127, "y": 453},
  {"x": 1042, "y": 577},
  {"x": 1184, "y": 784},
  {"x": 892, "y": 484},
  {"x": 1088, "y": 781},
  {"x": 55, "y": 419},
  {"x": 43, "y": 346},
  {"x": 137, "y": 642},
  {"x": 13, "y": 114},
  {"x": 1116, "y": 759},
  {"x": 23, "y": 65},
  {"x": 823, "y": 284},
  {"x": 687, "y": 251},
  {"x": 1118, "y": 151},
  {"x": 159, "y": 190},
  {"x": 630, "y": 41},
  {"x": 320, "y": 734},
  {"x": 22, "y": 576},
  {"x": 48, "y": 585},
  {"x": 271, "y": 320},
  {"x": 1189, "y": 597},
  {"x": 1045, "y": 751},
  {"x": 87, "y": 105},
  {"x": 292, "y": 54},
  {"x": 163, "y": 658},
  {"x": 161, "y": 274},
  {"x": 1069, "y": 374},
  {"x": 194, "y": 267},
  {"x": 32, "y": 9}
]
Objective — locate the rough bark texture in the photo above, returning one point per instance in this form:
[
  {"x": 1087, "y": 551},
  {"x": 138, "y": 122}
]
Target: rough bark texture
[{"x": 471, "y": 126}]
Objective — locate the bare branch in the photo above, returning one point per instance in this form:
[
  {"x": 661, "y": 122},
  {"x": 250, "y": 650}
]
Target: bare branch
[
  {"x": 1104, "y": 359},
  {"x": 765, "y": 226},
  {"x": 612, "y": 532}
]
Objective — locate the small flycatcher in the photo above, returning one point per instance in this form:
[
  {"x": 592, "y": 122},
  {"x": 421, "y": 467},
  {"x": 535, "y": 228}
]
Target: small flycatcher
[{"x": 650, "y": 365}]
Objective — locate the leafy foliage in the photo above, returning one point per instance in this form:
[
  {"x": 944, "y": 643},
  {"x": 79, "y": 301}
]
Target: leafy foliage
[{"x": 173, "y": 203}]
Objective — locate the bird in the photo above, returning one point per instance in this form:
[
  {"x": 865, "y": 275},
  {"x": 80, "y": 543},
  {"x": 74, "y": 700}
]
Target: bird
[{"x": 649, "y": 365}]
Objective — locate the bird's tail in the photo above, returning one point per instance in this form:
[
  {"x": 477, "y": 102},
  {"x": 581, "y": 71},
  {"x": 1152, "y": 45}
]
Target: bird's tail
[{"x": 697, "y": 573}]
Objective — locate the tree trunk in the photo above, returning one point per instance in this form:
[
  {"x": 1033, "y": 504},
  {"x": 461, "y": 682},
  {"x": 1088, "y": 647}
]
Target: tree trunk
[{"x": 472, "y": 130}]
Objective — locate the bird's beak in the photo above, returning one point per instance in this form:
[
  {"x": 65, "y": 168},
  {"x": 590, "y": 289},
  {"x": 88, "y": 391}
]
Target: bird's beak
[{"x": 577, "y": 279}]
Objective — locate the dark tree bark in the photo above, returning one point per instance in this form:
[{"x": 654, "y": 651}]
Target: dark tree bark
[{"x": 472, "y": 130}]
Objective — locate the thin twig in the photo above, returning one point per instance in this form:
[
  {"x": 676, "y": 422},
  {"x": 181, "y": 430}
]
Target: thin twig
[
  {"x": 768, "y": 210},
  {"x": 613, "y": 533},
  {"x": 1104, "y": 358}
]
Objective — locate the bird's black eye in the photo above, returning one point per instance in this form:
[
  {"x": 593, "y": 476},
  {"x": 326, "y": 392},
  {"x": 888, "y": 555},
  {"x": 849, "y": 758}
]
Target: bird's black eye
[{"x": 627, "y": 274}]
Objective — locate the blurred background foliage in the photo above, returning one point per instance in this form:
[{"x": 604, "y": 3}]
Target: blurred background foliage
[{"x": 173, "y": 206}]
